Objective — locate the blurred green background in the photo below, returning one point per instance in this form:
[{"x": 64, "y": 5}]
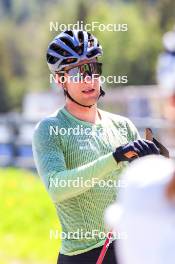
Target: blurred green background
[
  {"x": 27, "y": 217},
  {"x": 27, "y": 213},
  {"x": 25, "y": 34}
]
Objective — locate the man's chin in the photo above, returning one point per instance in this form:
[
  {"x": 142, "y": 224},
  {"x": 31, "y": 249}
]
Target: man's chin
[{"x": 90, "y": 100}]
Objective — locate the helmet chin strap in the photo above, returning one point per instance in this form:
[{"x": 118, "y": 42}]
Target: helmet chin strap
[{"x": 102, "y": 93}]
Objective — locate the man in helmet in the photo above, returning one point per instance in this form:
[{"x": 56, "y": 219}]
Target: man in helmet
[{"x": 80, "y": 169}]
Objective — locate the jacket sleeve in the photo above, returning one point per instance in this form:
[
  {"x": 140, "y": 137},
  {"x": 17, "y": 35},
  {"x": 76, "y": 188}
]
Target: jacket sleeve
[{"x": 51, "y": 166}]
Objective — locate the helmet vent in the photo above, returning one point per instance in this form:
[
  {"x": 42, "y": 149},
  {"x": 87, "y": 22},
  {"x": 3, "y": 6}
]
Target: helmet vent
[
  {"x": 92, "y": 53},
  {"x": 69, "y": 32},
  {"x": 89, "y": 36},
  {"x": 68, "y": 43},
  {"x": 90, "y": 40},
  {"x": 59, "y": 50},
  {"x": 68, "y": 61},
  {"x": 51, "y": 59},
  {"x": 79, "y": 49},
  {"x": 80, "y": 37}
]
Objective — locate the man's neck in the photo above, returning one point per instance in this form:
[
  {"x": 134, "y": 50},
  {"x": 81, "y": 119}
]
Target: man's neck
[{"x": 86, "y": 114}]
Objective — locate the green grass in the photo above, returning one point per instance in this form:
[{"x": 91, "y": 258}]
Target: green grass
[{"x": 27, "y": 215}]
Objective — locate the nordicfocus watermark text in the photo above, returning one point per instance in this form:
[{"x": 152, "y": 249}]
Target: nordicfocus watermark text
[
  {"x": 81, "y": 234},
  {"x": 80, "y": 182},
  {"x": 80, "y": 130},
  {"x": 93, "y": 26},
  {"x": 110, "y": 79}
]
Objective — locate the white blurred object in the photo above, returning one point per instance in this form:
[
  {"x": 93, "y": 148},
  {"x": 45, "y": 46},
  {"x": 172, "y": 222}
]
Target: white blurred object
[
  {"x": 166, "y": 71},
  {"x": 144, "y": 213},
  {"x": 5, "y": 134},
  {"x": 169, "y": 41},
  {"x": 26, "y": 131},
  {"x": 40, "y": 104},
  {"x": 166, "y": 63}
]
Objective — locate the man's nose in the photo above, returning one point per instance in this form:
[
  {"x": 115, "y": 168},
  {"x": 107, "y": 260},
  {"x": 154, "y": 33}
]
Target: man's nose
[{"x": 88, "y": 79}]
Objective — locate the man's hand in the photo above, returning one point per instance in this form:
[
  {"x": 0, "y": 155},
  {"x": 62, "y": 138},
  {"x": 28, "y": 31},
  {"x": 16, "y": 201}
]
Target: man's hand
[{"x": 135, "y": 149}]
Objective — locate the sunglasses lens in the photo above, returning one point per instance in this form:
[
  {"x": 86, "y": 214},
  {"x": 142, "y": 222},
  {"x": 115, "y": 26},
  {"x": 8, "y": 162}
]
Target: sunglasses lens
[
  {"x": 96, "y": 68},
  {"x": 73, "y": 71},
  {"x": 85, "y": 70},
  {"x": 88, "y": 69},
  {"x": 74, "y": 74}
]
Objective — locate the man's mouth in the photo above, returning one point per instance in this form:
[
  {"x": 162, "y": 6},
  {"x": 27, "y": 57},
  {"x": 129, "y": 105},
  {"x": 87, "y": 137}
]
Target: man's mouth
[{"x": 88, "y": 91}]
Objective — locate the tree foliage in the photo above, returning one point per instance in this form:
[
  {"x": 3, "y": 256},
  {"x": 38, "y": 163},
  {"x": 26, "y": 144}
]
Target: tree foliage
[{"x": 25, "y": 34}]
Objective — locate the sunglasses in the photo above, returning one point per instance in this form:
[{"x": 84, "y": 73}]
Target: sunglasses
[{"x": 82, "y": 71}]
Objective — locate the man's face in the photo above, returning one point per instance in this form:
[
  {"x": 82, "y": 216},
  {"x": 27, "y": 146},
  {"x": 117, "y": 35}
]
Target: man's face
[{"x": 87, "y": 90}]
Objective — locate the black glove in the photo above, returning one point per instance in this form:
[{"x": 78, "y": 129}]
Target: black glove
[{"x": 135, "y": 149}]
